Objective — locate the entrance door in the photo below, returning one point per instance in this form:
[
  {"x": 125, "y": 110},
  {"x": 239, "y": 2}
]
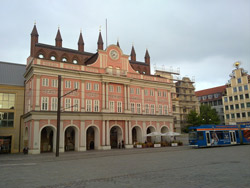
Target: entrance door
[
  {"x": 208, "y": 138},
  {"x": 232, "y": 137},
  {"x": 5, "y": 144}
]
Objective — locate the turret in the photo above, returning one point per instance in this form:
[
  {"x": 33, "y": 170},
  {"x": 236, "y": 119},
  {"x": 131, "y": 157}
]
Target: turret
[
  {"x": 147, "y": 57},
  {"x": 80, "y": 43},
  {"x": 58, "y": 39},
  {"x": 133, "y": 54},
  {"x": 34, "y": 40},
  {"x": 100, "y": 42}
]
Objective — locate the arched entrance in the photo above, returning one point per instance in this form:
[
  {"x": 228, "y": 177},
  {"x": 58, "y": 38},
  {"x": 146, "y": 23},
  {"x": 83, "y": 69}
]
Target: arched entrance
[
  {"x": 136, "y": 135},
  {"x": 90, "y": 138},
  {"x": 164, "y": 129},
  {"x": 150, "y": 130},
  {"x": 47, "y": 139},
  {"x": 115, "y": 137},
  {"x": 69, "y": 141}
]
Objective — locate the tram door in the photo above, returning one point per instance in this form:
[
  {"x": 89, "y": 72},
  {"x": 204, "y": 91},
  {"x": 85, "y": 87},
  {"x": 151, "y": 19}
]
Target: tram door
[
  {"x": 208, "y": 138},
  {"x": 232, "y": 137}
]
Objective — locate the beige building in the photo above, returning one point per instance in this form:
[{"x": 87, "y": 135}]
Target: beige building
[
  {"x": 183, "y": 97},
  {"x": 185, "y": 91},
  {"x": 236, "y": 102},
  {"x": 11, "y": 106}
]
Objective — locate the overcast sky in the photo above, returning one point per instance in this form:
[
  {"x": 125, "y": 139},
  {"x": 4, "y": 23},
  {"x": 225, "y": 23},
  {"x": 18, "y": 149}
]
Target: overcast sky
[{"x": 203, "y": 38}]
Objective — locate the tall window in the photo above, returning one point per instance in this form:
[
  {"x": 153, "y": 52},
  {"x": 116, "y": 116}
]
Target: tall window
[
  {"x": 239, "y": 80},
  {"x": 45, "y": 103},
  {"x": 235, "y": 89},
  {"x": 119, "y": 90},
  {"x": 146, "y": 92},
  {"x": 88, "y": 105},
  {"x": 147, "y": 108},
  {"x": 137, "y": 91},
  {"x": 76, "y": 106},
  {"x": 7, "y": 101},
  {"x": 112, "y": 106},
  {"x": 245, "y": 87},
  {"x": 160, "y": 109},
  {"x": 111, "y": 88},
  {"x": 54, "y": 83},
  {"x": 165, "y": 109},
  {"x": 76, "y": 85},
  {"x": 96, "y": 105},
  {"x": 45, "y": 82},
  {"x": 152, "y": 109},
  {"x": 138, "y": 108},
  {"x": 88, "y": 86},
  {"x": 67, "y": 84},
  {"x": 119, "y": 106},
  {"x": 159, "y": 93},
  {"x": 164, "y": 94},
  {"x": 132, "y": 107},
  {"x": 67, "y": 104},
  {"x": 132, "y": 91},
  {"x": 151, "y": 92},
  {"x": 96, "y": 87},
  {"x": 240, "y": 88},
  {"x": 54, "y": 103}
]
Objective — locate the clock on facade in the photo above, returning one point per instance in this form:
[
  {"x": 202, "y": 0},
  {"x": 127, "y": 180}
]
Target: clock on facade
[{"x": 113, "y": 54}]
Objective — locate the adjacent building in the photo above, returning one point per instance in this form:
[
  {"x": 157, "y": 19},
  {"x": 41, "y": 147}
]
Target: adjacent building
[
  {"x": 11, "y": 106},
  {"x": 213, "y": 97},
  {"x": 115, "y": 100},
  {"x": 236, "y": 101}
]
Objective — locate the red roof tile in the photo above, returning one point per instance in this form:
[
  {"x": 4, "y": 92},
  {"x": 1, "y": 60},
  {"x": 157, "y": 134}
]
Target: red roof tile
[{"x": 219, "y": 89}]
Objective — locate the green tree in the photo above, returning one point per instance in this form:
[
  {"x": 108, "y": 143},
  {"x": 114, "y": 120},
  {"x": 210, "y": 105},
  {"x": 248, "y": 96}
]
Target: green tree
[
  {"x": 208, "y": 115},
  {"x": 193, "y": 118}
]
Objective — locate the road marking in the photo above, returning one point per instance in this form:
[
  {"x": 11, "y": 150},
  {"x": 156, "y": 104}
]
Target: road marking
[{"x": 21, "y": 164}]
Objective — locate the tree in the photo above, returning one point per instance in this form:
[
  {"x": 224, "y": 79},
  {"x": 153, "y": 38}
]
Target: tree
[
  {"x": 208, "y": 115},
  {"x": 193, "y": 118}
]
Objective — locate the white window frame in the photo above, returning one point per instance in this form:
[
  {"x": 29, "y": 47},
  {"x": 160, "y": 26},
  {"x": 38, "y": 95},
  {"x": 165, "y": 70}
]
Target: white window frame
[
  {"x": 54, "y": 83},
  {"x": 45, "y": 82},
  {"x": 138, "y": 108},
  {"x": 147, "y": 108},
  {"x": 76, "y": 105},
  {"x": 54, "y": 103},
  {"x": 96, "y": 87},
  {"x": 119, "y": 89},
  {"x": 152, "y": 109},
  {"x": 132, "y": 91},
  {"x": 44, "y": 103},
  {"x": 159, "y": 93},
  {"x": 67, "y": 84},
  {"x": 76, "y": 85},
  {"x": 165, "y": 109},
  {"x": 146, "y": 92},
  {"x": 160, "y": 109},
  {"x": 88, "y": 105},
  {"x": 132, "y": 107},
  {"x": 88, "y": 86},
  {"x": 112, "y": 106},
  {"x": 164, "y": 94},
  {"x": 67, "y": 104},
  {"x": 96, "y": 105},
  {"x": 119, "y": 106},
  {"x": 111, "y": 88},
  {"x": 138, "y": 91},
  {"x": 151, "y": 92}
]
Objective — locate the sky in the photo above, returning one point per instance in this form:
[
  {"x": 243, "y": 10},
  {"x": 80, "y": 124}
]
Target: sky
[{"x": 200, "y": 38}]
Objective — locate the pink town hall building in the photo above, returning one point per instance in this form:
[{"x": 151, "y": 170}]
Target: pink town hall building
[{"x": 117, "y": 100}]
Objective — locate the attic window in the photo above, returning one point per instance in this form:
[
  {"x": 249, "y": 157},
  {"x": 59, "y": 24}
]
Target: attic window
[
  {"x": 41, "y": 56},
  {"x": 75, "y": 61},
  {"x": 64, "y": 59},
  {"x": 53, "y": 58}
]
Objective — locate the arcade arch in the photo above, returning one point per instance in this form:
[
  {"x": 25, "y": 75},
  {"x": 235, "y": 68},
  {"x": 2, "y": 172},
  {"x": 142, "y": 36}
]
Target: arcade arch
[
  {"x": 92, "y": 137},
  {"x": 136, "y": 134},
  {"x": 71, "y": 138},
  {"x": 150, "y": 129},
  {"x": 116, "y": 137},
  {"x": 47, "y": 139}
]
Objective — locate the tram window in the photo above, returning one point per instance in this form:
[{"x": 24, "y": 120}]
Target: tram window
[
  {"x": 237, "y": 134},
  {"x": 200, "y": 136},
  {"x": 220, "y": 135}
]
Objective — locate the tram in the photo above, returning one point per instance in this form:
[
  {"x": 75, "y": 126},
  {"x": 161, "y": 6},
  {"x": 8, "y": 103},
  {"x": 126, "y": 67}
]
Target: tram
[{"x": 219, "y": 135}]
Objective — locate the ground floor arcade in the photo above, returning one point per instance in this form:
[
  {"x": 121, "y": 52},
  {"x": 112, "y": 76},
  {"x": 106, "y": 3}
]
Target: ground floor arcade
[{"x": 81, "y": 135}]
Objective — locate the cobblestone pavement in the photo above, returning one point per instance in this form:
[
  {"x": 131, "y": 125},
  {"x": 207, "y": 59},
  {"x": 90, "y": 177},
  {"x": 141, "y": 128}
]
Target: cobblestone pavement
[{"x": 174, "y": 167}]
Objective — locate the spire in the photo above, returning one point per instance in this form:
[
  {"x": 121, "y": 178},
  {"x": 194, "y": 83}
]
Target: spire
[
  {"x": 100, "y": 41},
  {"x": 133, "y": 54},
  {"x": 80, "y": 43},
  {"x": 58, "y": 38},
  {"x": 147, "y": 57},
  {"x": 118, "y": 44},
  {"x": 34, "y": 40}
]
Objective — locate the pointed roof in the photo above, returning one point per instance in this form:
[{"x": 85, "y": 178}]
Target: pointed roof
[
  {"x": 100, "y": 41},
  {"x": 80, "y": 41},
  {"x": 147, "y": 54},
  {"x": 58, "y": 35},
  {"x": 133, "y": 51},
  {"x": 34, "y": 31},
  {"x": 118, "y": 44}
]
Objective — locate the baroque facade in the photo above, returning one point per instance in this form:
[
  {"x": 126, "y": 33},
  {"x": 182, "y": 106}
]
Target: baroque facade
[
  {"x": 117, "y": 101},
  {"x": 236, "y": 101}
]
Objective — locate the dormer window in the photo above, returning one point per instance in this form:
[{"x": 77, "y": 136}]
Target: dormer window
[
  {"x": 64, "y": 59},
  {"x": 41, "y": 56},
  {"x": 53, "y": 58},
  {"x": 75, "y": 61}
]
